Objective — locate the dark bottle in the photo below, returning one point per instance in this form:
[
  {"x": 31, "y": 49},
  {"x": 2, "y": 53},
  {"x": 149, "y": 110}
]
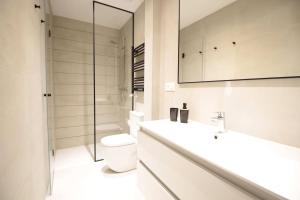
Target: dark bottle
[
  {"x": 184, "y": 114},
  {"x": 173, "y": 114}
]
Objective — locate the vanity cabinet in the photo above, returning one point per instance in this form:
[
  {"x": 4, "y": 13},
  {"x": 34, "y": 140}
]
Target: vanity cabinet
[
  {"x": 150, "y": 186},
  {"x": 164, "y": 171}
]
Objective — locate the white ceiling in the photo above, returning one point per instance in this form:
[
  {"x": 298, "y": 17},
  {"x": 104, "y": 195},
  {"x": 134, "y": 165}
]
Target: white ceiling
[
  {"x": 194, "y": 10},
  {"x": 83, "y": 10},
  {"x": 191, "y": 10}
]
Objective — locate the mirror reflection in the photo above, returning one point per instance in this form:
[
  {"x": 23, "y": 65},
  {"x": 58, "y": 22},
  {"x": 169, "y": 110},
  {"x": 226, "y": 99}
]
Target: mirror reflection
[{"x": 238, "y": 39}]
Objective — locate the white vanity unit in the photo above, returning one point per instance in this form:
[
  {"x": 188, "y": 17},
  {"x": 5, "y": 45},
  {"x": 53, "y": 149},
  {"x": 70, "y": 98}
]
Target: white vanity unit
[{"x": 185, "y": 161}]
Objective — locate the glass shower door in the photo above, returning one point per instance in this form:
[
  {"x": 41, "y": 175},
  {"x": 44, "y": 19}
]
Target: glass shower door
[
  {"x": 50, "y": 93},
  {"x": 112, "y": 43}
]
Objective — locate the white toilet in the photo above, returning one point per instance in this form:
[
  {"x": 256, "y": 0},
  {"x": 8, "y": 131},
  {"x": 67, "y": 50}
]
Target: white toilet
[{"x": 120, "y": 151}]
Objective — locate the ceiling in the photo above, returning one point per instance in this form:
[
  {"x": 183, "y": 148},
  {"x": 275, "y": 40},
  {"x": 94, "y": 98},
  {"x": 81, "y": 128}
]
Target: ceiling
[
  {"x": 194, "y": 10},
  {"x": 83, "y": 10},
  {"x": 191, "y": 10}
]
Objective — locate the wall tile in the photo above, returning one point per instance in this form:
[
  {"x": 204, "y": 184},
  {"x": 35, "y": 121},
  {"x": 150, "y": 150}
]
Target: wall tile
[{"x": 73, "y": 80}]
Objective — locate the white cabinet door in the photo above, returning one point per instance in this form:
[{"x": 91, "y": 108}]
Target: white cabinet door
[
  {"x": 186, "y": 179},
  {"x": 150, "y": 187}
]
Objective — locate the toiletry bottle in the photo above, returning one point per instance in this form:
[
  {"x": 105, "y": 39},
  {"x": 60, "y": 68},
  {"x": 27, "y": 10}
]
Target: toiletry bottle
[
  {"x": 184, "y": 114},
  {"x": 173, "y": 114}
]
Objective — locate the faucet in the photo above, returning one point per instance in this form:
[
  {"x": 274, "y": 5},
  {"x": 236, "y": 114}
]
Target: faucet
[{"x": 220, "y": 122}]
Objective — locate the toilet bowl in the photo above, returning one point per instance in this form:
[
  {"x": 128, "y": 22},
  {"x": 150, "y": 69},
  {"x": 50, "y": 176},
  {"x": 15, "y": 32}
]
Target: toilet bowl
[{"x": 120, "y": 151}]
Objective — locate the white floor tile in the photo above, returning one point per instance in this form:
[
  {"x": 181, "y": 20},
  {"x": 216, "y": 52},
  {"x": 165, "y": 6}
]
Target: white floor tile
[{"x": 78, "y": 177}]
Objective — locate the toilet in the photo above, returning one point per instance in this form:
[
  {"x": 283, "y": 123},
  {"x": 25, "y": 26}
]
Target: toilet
[{"x": 120, "y": 151}]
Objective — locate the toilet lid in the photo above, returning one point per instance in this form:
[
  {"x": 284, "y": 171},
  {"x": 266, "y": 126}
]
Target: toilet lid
[{"x": 118, "y": 140}]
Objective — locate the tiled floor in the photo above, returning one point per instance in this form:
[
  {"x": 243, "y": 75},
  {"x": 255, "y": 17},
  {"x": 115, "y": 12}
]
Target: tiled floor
[{"x": 78, "y": 177}]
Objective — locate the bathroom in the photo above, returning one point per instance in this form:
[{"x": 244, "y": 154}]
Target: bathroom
[{"x": 92, "y": 96}]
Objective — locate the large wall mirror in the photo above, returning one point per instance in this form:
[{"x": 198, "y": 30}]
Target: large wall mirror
[{"x": 238, "y": 39}]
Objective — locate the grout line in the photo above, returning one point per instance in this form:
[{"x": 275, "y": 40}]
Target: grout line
[
  {"x": 85, "y": 53},
  {"x": 88, "y": 73},
  {"x": 88, "y": 125},
  {"x": 109, "y": 104},
  {"x": 104, "y": 133},
  {"x": 104, "y": 44},
  {"x": 99, "y": 95},
  {"x": 91, "y": 115},
  {"x": 88, "y": 115},
  {"x": 82, "y": 115},
  {"x": 82, "y": 74},
  {"x": 87, "y": 94},
  {"x": 115, "y": 47},
  {"x": 61, "y": 84},
  {"x": 84, "y": 31},
  {"x": 79, "y": 105},
  {"x": 79, "y": 73},
  {"x": 92, "y": 124},
  {"x": 74, "y": 62},
  {"x": 99, "y": 85},
  {"x": 89, "y": 64}
]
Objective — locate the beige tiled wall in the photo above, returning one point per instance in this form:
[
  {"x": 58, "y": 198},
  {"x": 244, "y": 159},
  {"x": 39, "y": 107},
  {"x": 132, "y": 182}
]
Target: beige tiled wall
[
  {"x": 73, "y": 80},
  {"x": 125, "y": 71},
  {"x": 23, "y": 140}
]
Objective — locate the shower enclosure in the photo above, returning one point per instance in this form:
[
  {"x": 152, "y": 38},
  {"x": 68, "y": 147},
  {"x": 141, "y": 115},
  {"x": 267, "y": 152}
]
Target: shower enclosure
[{"x": 113, "y": 41}]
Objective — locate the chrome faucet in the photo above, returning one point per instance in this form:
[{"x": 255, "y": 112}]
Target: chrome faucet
[{"x": 220, "y": 122}]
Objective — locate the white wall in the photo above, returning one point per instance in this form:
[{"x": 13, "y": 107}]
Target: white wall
[
  {"x": 152, "y": 58},
  {"x": 23, "y": 142},
  {"x": 139, "y": 38},
  {"x": 264, "y": 108},
  {"x": 139, "y": 25}
]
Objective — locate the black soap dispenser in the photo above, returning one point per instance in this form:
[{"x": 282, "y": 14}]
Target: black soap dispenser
[{"x": 184, "y": 114}]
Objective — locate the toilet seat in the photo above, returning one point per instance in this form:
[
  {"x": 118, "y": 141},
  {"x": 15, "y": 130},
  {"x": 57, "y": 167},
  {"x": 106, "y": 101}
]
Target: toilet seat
[{"x": 118, "y": 140}]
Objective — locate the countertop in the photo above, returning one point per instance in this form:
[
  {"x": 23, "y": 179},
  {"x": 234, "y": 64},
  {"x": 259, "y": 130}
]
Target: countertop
[{"x": 267, "y": 169}]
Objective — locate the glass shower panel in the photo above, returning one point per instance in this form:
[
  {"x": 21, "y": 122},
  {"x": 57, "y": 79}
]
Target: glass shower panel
[
  {"x": 49, "y": 89},
  {"x": 113, "y": 41}
]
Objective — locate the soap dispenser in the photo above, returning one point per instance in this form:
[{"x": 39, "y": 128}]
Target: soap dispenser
[{"x": 184, "y": 114}]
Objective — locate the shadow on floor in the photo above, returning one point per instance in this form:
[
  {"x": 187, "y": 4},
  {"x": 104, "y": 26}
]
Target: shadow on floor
[{"x": 106, "y": 171}]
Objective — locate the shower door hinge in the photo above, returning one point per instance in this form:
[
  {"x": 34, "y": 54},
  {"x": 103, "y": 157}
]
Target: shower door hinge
[
  {"x": 37, "y": 6},
  {"x": 49, "y": 33}
]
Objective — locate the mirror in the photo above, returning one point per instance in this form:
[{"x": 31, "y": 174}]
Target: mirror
[{"x": 238, "y": 40}]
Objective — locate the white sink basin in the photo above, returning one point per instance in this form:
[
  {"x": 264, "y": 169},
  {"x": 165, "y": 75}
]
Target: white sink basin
[{"x": 267, "y": 165}]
